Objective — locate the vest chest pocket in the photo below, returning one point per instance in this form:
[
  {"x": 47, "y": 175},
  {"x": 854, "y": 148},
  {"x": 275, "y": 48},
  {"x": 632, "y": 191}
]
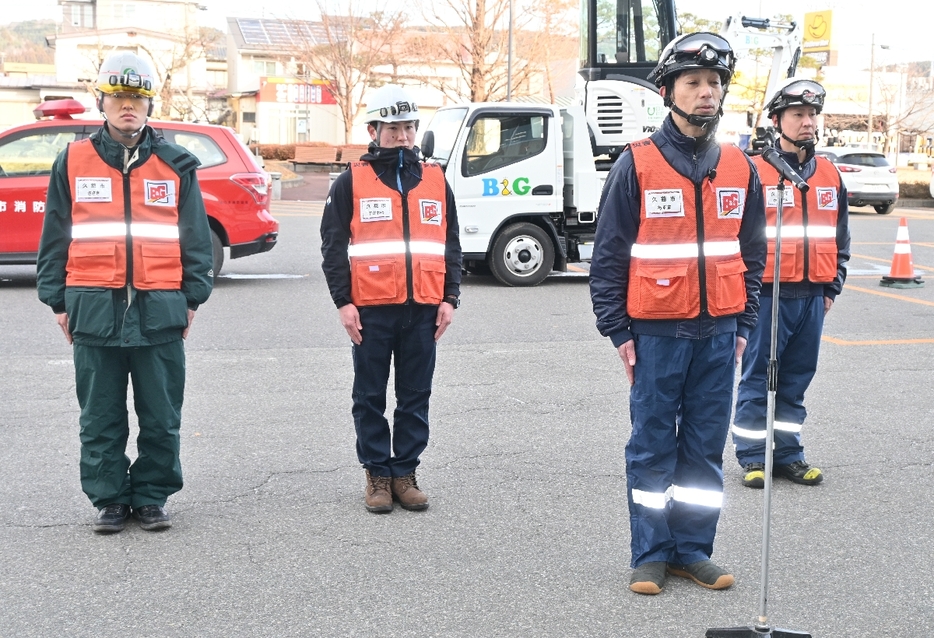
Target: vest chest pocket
[
  {"x": 160, "y": 267},
  {"x": 823, "y": 264},
  {"x": 376, "y": 281},
  {"x": 790, "y": 267},
  {"x": 92, "y": 263},
  {"x": 429, "y": 285},
  {"x": 658, "y": 291},
  {"x": 729, "y": 288}
]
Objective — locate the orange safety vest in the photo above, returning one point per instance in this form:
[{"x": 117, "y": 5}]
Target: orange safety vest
[
  {"x": 809, "y": 225},
  {"x": 105, "y": 222},
  {"x": 686, "y": 258},
  {"x": 397, "y": 246}
]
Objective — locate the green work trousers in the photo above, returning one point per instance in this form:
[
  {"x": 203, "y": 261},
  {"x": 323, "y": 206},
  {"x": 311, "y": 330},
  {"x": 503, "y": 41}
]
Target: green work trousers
[{"x": 158, "y": 377}]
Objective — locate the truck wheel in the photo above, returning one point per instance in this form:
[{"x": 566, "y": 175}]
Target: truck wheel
[
  {"x": 218, "y": 247},
  {"x": 884, "y": 209},
  {"x": 523, "y": 255}
]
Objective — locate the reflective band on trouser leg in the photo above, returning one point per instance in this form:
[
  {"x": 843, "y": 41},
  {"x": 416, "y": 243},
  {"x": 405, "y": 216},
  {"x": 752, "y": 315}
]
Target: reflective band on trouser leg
[
  {"x": 155, "y": 231},
  {"x": 782, "y": 426},
  {"x": 652, "y": 500},
  {"x": 696, "y": 496},
  {"x": 372, "y": 249},
  {"x": 101, "y": 229}
]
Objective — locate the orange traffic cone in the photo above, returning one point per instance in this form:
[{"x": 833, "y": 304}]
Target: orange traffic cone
[{"x": 902, "y": 274}]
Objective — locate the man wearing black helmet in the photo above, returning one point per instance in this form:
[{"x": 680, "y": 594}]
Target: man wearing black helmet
[
  {"x": 815, "y": 250},
  {"x": 674, "y": 281}
]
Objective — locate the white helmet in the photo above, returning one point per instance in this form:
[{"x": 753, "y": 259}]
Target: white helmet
[
  {"x": 125, "y": 72},
  {"x": 391, "y": 103}
]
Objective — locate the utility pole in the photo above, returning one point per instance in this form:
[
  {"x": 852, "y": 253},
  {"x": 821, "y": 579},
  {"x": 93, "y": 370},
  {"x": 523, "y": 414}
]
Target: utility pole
[
  {"x": 872, "y": 70},
  {"x": 509, "y": 58}
]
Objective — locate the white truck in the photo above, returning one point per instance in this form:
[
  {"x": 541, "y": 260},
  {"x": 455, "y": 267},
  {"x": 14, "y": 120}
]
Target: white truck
[{"x": 526, "y": 183}]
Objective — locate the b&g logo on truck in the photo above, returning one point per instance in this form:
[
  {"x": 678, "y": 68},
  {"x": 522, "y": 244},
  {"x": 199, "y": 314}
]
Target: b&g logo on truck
[{"x": 493, "y": 187}]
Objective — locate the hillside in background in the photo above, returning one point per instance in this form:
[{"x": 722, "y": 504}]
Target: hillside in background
[{"x": 25, "y": 42}]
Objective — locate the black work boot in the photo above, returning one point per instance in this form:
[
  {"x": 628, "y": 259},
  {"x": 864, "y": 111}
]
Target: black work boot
[
  {"x": 152, "y": 517},
  {"x": 111, "y": 518}
]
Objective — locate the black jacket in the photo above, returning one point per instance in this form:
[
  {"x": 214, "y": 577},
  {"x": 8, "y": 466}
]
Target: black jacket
[
  {"x": 400, "y": 170},
  {"x": 618, "y": 227}
]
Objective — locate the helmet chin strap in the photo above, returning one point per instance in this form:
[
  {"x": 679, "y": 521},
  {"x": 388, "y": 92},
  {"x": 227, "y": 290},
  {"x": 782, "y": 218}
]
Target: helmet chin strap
[
  {"x": 701, "y": 121},
  {"x": 807, "y": 144}
]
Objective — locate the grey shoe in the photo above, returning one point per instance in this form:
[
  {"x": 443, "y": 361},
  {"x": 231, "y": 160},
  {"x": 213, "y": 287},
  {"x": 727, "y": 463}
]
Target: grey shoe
[
  {"x": 704, "y": 573},
  {"x": 648, "y": 578}
]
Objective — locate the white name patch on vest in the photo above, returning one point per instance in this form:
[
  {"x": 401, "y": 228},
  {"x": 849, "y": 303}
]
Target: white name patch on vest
[
  {"x": 159, "y": 193},
  {"x": 93, "y": 189},
  {"x": 664, "y": 203},
  {"x": 827, "y": 199},
  {"x": 431, "y": 211},
  {"x": 730, "y": 203},
  {"x": 376, "y": 209},
  {"x": 771, "y": 197}
]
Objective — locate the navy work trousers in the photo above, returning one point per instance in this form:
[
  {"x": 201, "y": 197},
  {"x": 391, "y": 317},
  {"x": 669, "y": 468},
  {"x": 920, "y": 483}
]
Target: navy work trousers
[
  {"x": 158, "y": 377},
  {"x": 403, "y": 335},
  {"x": 680, "y": 409},
  {"x": 800, "y": 324}
]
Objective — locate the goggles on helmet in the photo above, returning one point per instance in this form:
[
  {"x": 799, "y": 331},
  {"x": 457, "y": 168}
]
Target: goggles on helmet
[
  {"x": 695, "y": 51},
  {"x": 805, "y": 92},
  {"x": 128, "y": 81},
  {"x": 399, "y": 108}
]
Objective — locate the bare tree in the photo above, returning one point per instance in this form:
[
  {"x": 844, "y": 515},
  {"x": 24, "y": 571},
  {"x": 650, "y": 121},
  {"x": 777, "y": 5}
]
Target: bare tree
[
  {"x": 346, "y": 52},
  {"x": 907, "y": 104},
  {"x": 184, "y": 49},
  {"x": 472, "y": 38}
]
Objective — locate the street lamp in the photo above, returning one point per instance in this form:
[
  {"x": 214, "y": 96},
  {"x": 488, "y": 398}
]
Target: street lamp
[{"x": 872, "y": 70}]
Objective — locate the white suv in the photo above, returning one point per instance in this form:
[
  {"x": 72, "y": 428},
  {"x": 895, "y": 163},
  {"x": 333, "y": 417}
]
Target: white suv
[{"x": 869, "y": 178}]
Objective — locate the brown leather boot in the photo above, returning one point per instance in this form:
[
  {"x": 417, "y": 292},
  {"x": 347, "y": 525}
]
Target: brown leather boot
[
  {"x": 378, "y": 498},
  {"x": 405, "y": 490}
]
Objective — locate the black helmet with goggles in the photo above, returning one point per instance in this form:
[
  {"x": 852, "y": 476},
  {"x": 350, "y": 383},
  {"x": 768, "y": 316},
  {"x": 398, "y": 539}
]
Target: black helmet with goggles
[
  {"x": 797, "y": 92},
  {"x": 701, "y": 50}
]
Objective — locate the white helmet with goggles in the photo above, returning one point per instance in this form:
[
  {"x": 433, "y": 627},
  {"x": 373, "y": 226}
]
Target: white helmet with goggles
[
  {"x": 125, "y": 72},
  {"x": 391, "y": 103}
]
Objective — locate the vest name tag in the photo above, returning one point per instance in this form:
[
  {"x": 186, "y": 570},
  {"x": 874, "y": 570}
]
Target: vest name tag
[
  {"x": 376, "y": 209},
  {"x": 93, "y": 189},
  {"x": 664, "y": 203},
  {"x": 771, "y": 197}
]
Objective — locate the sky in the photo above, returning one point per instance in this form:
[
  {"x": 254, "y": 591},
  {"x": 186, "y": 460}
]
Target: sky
[{"x": 904, "y": 26}]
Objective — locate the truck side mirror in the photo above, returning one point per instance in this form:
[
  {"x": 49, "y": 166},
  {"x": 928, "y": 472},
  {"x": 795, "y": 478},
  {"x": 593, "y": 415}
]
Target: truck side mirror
[{"x": 428, "y": 144}]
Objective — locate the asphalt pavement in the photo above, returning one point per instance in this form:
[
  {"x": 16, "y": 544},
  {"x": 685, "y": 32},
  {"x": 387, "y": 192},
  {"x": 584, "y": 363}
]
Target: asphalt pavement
[{"x": 527, "y": 534}]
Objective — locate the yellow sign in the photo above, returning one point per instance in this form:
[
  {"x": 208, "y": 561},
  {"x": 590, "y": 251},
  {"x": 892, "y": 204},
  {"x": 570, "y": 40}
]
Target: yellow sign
[{"x": 816, "y": 31}]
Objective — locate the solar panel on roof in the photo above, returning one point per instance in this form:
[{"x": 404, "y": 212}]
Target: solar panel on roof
[{"x": 253, "y": 31}]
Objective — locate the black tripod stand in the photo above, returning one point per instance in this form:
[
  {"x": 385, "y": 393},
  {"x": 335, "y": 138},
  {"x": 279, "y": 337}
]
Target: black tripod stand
[{"x": 761, "y": 626}]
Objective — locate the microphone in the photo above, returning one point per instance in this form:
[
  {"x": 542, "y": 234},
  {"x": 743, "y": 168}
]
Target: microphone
[
  {"x": 775, "y": 160},
  {"x": 712, "y": 174}
]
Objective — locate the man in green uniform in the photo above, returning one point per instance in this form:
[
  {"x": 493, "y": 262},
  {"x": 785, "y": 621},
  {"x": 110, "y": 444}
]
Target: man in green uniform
[{"x": 124, "y": 262}]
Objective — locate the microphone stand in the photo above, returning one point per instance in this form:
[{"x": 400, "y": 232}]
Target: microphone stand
[{"x": 761, "y": 626}]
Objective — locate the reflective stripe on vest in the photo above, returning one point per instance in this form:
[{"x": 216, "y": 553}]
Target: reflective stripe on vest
[
  {"x": 397, "y": 245},
  {"x": 809, "y": 224},
  {"x": 113, "y": 229},
  {"x": 673, "y": 274},
  {"x": 689, "y": 495},
  {"x": 103, "y": 228}
]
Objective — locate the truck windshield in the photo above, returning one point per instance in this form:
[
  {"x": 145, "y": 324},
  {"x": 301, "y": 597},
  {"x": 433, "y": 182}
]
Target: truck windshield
[{"x": 445, "y": 125}]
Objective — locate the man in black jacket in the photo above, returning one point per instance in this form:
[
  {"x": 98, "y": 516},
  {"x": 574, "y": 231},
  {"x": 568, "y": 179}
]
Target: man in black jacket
[
  {"x": 392, "y": 260},
  {"x": 674, "y": 281}
]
